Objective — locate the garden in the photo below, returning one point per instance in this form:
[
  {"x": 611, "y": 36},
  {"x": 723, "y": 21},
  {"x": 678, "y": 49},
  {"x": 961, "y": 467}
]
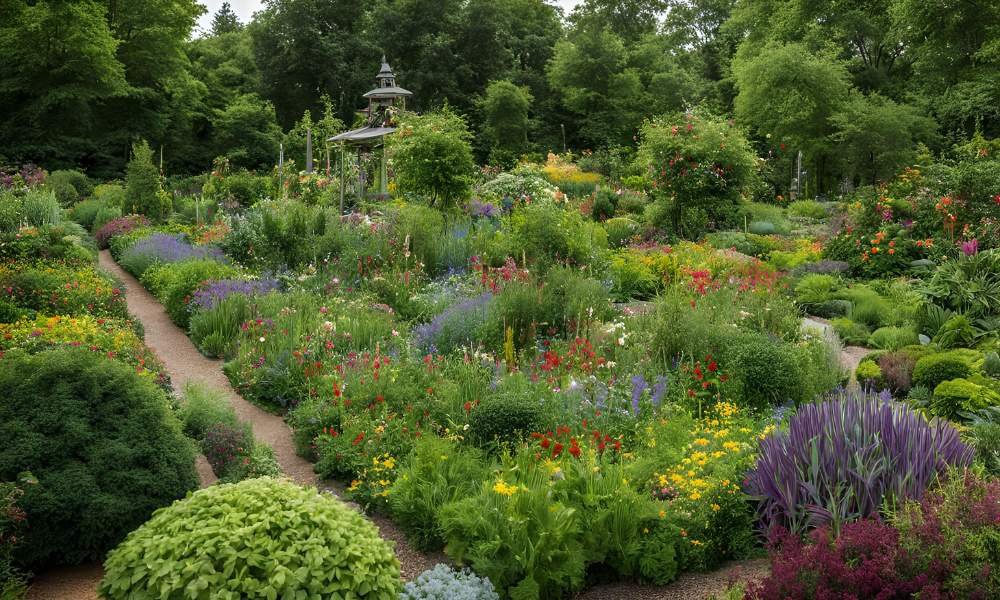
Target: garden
[{"x": 513, "y": 372}]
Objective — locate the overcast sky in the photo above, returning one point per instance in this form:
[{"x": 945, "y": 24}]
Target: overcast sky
[{"x": 246, "y": 8}]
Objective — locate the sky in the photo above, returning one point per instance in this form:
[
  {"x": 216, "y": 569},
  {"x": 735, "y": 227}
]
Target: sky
[{"x": 245, "y": 9}]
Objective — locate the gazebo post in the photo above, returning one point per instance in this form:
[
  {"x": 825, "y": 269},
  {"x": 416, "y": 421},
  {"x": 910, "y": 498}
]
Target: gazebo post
[
  {"x": 342, "y": 144},
  {"x": 383, "y": 178},
  {"x": 361, "y": 179}
]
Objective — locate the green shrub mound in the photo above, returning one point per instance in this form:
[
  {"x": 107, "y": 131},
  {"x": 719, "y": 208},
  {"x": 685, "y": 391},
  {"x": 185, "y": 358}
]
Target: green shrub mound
[
  {"x": 933, "y": 369},
  {"x": 102, "y": 443},
  {"x": 261, "y": 538}
]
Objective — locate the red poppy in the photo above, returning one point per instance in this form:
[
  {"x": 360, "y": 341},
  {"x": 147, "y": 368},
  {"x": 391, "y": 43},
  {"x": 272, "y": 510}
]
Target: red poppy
[
  {"x": 545, "y": 443},
  {"x": 713, "y": 367},
  {"x": 557, "y": 450},
  {"x": 575, "y": 451}
]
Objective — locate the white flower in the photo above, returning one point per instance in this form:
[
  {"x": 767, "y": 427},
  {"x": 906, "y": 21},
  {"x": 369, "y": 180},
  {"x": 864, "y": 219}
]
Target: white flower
[
  {"x": 395, "y": 333},
  {"x": 327, "y": 325},
  {"x": 262, "y": 339}
]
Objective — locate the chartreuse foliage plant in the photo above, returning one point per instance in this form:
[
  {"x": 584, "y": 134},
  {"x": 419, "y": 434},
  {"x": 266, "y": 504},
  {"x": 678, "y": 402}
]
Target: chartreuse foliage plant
[
  {"x": 101, "y": 441},
  {"x": 259, "y": 539}
]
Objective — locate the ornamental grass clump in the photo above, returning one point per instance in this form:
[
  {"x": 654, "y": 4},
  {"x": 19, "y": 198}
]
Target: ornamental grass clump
[
  {"x": 260, "y": 538},
  {"x": 840, "y": 460}
]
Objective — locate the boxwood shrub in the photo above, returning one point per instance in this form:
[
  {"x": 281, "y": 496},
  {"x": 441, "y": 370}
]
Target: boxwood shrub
[
  {"x": 101, "y": 441},
  {"x": 260, "y": 538}
]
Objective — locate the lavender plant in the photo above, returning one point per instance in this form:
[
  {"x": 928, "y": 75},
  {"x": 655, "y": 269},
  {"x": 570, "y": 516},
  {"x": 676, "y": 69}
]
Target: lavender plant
[
  {"x": 846, "y": 457},
  {"x": 160, "y": 248},
  {"x": 211, "y": 293},
  {"x": 456, "y": 325}
]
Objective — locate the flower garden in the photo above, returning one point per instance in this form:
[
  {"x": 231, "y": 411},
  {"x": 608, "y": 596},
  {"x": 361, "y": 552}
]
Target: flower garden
[{"x": 558, "y": 382}]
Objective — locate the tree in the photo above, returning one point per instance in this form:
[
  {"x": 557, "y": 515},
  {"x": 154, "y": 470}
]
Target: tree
[
  {"x": 58, "y": 61},
  {"x": 505, "y": 120},
  {"x": 788, "y": 94},
  {"x": 431, "y": 155},
  {"x": 876, "y": 137},
  {"x": 957, "y": 59},
  {"x": 629, "y": 19},
  {"x": 143, "y": 193},
  {"x": 247, "y": 132},
  {"x": 590, "y": 70},
  {"x": 305, "y": 48},
  {"x": 696, "y": 160},
  {"x": 225, "y": 20}
]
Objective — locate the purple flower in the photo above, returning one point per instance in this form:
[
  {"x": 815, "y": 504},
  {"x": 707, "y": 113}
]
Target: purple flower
[
  {"x": 480, "y": 209},
  {"x": 168, "y": 248},
  {"x": 659, "y": 389},
  {"x": 210, "y": 294},
  {"x": 639, "y": 386},
  {"x": 455, "y": 325},
  {"x": 970, "y": 247}
]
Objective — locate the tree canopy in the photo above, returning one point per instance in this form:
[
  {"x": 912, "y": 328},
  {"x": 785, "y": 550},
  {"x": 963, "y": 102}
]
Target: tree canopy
[{"x": 82, "y": 81}]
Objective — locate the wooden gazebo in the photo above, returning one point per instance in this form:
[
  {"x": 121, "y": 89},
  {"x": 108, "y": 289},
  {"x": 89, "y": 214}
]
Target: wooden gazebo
[{"x": 383, "y": 102}]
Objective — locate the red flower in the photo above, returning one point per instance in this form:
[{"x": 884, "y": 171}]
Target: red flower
[
  {"x": 357, "y": 440},
  {"x": 557, "y": 450},
  {"x": 618, "y": 445},
  {"x": 545, "y": 443},
  {"x": 713, "y": 367},
  {"x": 467, "y": 406},
  {"x": 575, "y": 451}
]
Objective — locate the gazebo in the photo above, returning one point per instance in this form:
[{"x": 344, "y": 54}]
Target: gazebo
[{"x": 383, "y": 102}]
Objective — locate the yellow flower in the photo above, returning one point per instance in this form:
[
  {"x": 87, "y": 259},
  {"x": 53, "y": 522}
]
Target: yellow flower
[
  {"x": 701, "y": 442},
  {"x": 663, "y": 514},
  {"x": 501, "y": 487},
  {"x": 695, "y": 495},
  {"x": 731, "y": 446},
  {"x": 716, "y": 507}
]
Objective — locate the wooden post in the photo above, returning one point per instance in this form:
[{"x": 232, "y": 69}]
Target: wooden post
[
  {"x": 383, "y": 176},
  {"x": 342, "y": 176},
  {"x": 361, "y": 179},
  {"x": 309, "y": 151}
]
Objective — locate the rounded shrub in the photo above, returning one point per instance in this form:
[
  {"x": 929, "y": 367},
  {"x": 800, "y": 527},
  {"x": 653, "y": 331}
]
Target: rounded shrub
[
  {"x": 260, "y": 538},
  {"x": 504, "y": 418},
  {"x": 932, "y": 369},
  {"x": 767, "y": 369},
  {"x": 955, "y": 396},
  {"x": 101, "y": 441},
  {"x": 868, "y": 372},
  {"x": 850, "y": 332},
  {"x": 892, "y": 338},
  {"x": 762, "y": 227}
]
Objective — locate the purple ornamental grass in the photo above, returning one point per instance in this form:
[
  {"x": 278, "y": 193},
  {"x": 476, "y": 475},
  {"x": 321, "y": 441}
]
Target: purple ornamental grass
[
  {"x": 840, "y": 459},
  {"x": 211, "y": 293}
]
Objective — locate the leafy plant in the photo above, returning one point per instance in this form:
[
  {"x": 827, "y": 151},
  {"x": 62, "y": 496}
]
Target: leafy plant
[
  {"x": 892, "y": 338},
  {"x": 842, "y": 458},
  {"x": 444, "y": 583},
  {"x": 261, "y": 538},
  {"x": 102, "y": 443},
  {"x": 436, "y": 472},
  {"x": 431, "y": 155}
]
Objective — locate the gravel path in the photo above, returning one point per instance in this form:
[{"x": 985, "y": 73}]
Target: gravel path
[{"x": 689, "y": 586}]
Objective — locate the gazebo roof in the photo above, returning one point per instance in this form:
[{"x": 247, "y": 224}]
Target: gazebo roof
[
  {"x": 388, "y": 92},
  {"x": 362, "y": 134}
]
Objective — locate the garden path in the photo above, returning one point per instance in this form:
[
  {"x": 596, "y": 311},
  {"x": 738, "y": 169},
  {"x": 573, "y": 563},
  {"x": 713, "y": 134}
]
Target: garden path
[
  {"x": 184, "y": 363},
  {"x": 850, "y": 356}
]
